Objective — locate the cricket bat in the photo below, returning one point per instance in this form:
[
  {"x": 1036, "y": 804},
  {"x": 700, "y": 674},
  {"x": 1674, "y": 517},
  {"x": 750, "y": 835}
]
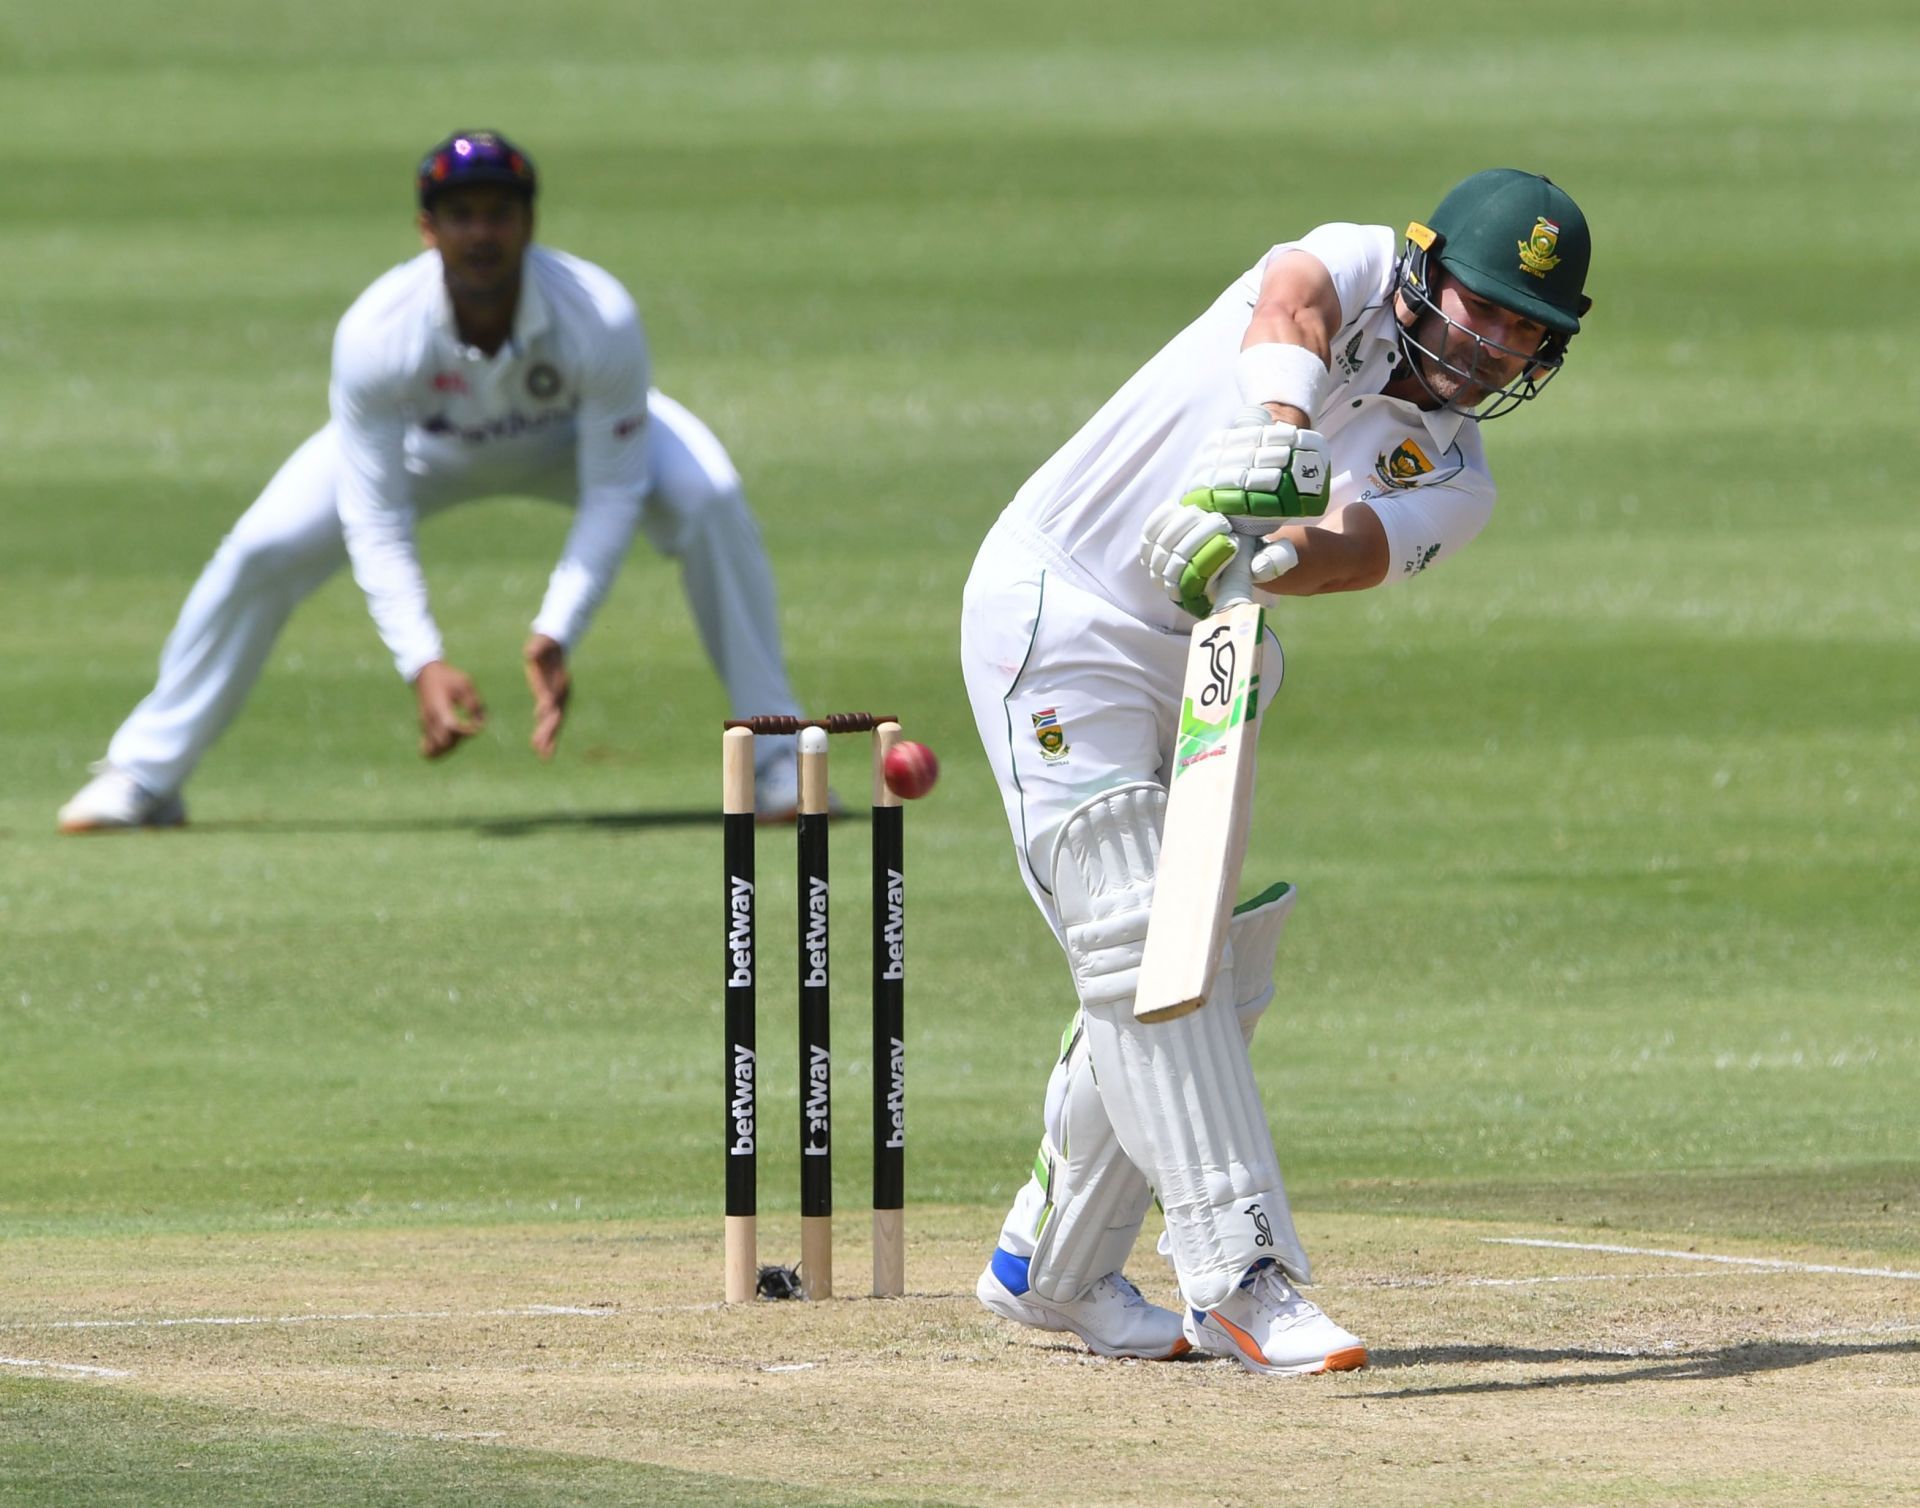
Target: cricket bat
[{"x": 1209, "y": 802}]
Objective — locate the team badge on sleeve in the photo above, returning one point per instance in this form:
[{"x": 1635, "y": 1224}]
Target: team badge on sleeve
[
  {"x": 1053, "y": 737},
  {"x": 1350, "y": 360},
  {"x": 1404, "y": 465},
  {"x": 1421, "y": 558}
]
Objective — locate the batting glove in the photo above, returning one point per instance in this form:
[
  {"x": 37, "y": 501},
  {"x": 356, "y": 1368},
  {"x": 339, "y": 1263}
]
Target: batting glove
[
  {"x": 1187, "y": 549},
  {"x": 1256, "y": 471}
]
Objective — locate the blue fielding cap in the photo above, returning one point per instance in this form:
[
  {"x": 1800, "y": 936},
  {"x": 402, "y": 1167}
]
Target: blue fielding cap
[{"x": 469, "y": 157}]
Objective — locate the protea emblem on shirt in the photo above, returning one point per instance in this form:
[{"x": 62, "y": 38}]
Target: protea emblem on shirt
[
  {"x": 1052, "y": 737},
  {"x": 1403, "y": 466},
  {"x": 1537, "y": 251}
]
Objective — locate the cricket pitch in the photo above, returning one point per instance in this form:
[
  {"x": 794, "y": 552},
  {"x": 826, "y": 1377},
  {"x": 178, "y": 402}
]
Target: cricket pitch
[{"x": 1509, "y": 1364}]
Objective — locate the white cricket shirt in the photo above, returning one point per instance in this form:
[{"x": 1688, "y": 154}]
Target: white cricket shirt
[
  {"x": 1424, "y": 473},
  {"x": 416, "y": 408}
]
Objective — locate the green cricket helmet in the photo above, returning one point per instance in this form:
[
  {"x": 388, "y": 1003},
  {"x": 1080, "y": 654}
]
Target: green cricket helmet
[{"x": 1515, "y": 239}]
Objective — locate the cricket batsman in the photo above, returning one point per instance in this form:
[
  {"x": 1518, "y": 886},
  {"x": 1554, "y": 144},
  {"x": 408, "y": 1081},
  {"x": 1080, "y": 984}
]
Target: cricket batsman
[
  {"x": 486, "y": 365},
  {"x": 1327, "y": 405}
]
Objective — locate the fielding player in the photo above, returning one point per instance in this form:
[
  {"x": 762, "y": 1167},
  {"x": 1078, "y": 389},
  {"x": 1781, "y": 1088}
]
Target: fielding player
[
  {"x": 1352, "y": 373},
  {"x": 486, "y": 365}
]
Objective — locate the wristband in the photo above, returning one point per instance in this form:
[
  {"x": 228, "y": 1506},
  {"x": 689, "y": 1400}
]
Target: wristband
[{"x": 1274, "y": 373}]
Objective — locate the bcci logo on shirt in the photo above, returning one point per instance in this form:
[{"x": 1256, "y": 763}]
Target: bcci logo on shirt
[
  {"x": 1053, "y": 737},
  {"x": 1403, "y": 466}
]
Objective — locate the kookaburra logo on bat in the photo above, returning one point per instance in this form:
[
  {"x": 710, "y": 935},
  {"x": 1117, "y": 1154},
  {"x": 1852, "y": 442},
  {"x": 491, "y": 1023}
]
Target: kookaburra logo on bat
[{"x": 1220, "y": 657}]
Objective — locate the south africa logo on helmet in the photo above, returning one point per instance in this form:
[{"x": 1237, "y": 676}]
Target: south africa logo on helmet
[
  {"x": 1486, "y": 218},
  {"x": 1536, "y": 252}
]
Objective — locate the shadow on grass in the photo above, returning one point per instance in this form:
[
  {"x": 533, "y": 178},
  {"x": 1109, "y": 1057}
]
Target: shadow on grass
[
  {"x": 489, "y": 827},
  {"x": 486, "y": 827},
  {"x": 1749, "y": 1359}
]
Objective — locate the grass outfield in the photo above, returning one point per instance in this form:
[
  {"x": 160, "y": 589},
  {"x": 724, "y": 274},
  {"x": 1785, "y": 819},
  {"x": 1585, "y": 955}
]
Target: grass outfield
[{"x": 1606, "y": 832}]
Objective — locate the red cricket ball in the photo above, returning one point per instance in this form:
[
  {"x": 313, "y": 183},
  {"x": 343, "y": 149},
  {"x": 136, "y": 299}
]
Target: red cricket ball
[{"x": 911, "y": 770}]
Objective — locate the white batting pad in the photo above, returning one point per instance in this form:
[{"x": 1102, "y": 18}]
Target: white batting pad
[
  {"x": 1104, "y": 859},
  {"x": 1254, "y": 935},
  {"x": 1094, "y": 1197},
  {"x": 1180, "y": 1094}
]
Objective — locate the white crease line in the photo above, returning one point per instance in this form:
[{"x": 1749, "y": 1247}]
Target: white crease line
[
  {"x": 1376, "y": 1284},
  {"x": 226, "y": 1319},
  {"x": 1886, "y": 1328},
  {"x": 61, "y": 1366},
  {"x": 530, "y": 1311},
  {"x": 1774, "y": 1264},
  {"x": 1589, "y": 1277}
]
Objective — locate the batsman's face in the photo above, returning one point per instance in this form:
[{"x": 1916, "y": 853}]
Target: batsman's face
[
  {"x": 1482, "y": 346},
  {"x": 482, "y": 234}
]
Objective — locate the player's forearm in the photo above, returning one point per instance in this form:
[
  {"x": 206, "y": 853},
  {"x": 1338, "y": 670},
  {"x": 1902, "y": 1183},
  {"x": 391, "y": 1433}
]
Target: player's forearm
[
  {"x": 1345, "y": 552},
  {"x": 376, "y": 508},
  {"x": 388, "y": 573},
  {"x": 1274, "y": 324},
  {"x": 1285, "y": 353},
  {"x": 1297, "y": 306},
  {"x": 596, "y": 547}
]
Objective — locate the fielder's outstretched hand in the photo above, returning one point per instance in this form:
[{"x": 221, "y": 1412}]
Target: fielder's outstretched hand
[
  {"x": 450, "y": 708},
  {"x": 552, "y": 687}
]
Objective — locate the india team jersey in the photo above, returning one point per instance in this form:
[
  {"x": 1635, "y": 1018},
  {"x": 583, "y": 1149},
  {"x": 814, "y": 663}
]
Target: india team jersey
[
  {"x": 1423, "y": 473},
  {"x": 416, "y": 409}
]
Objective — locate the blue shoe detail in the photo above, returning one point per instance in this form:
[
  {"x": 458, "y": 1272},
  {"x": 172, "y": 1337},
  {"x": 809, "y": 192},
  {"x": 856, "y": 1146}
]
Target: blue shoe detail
[{"x": 1010, "y": 1270}]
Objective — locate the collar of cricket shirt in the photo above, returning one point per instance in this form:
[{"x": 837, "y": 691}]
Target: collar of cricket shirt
[
  {"x": 1443, "y": 424},
  {"x": 531, "y": 316}
]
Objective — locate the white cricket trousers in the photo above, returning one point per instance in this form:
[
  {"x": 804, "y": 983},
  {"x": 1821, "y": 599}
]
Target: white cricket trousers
[
  {"x": 1072, "y": 697},
  {"x": 287, "y": 544}
]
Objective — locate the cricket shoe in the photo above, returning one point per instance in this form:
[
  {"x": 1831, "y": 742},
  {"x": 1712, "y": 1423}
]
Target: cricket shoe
[
  {"x": 1112, "y": 1317},
  {"x": 776, "y": 794},
  {"x": 1266, "y": 1326},
  {"x": 113, "y": 801}
]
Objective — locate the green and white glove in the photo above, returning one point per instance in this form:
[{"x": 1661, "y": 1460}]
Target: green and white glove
[
  {"x": 1187, "y": 549},
  {"x": 1257, "y": 471},
  {"x": 1251, "y": 475}
]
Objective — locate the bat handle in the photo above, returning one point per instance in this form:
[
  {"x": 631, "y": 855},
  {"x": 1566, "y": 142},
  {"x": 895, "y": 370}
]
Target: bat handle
[{"x": 1234, "y": 585}]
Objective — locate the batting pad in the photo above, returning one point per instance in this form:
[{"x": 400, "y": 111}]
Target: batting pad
[
  {"x": 1095, "y": 1197},
  {"x": 1253, "y": 933},
  {"x": 1180, "y": 1094},
  {"x": 1091, "y": 1199}
]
